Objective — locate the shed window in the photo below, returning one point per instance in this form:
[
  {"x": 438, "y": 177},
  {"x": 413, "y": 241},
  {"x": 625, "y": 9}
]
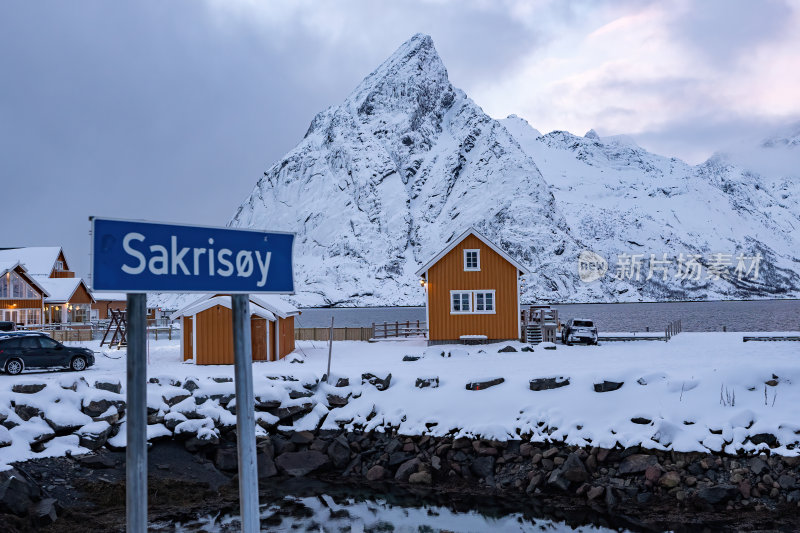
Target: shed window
[
  {"x": 59, "y": 266},
  {"x": 460, "y": 301},
  {"x": 472, "y": 260},
  {"x": 484, "y": 301},
  {"x": 473, "y": 302}
]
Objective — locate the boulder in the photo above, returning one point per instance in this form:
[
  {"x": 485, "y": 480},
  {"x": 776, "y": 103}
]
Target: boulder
[
  {"x": 484, "y": 384},
  {"x": 571, "y": 471},
  {"x": 411, "y": 358},
  {"x": 223, "y": 379},
  {"x": 191, "y": 384},
  {"x": 786, "y": 481},
  {"x": 378, "y": 383},
  {"x": 227, "y": 458},
  {"x": 670, "y": 480},
  {"x": 17, "y": 492},
  {"x": 295, "y": 394},
  {"x": 97, "y": 461},
  {"x": 376, "y": 473},
  {"x": 594, "y": 493},
  {"x": 291, "y": 411},
  {"x": 336, "y": 400},
  {"x": 406, "y": 469},
  {"x": 176, "y": 397},
  {"x": 764, "y": 438},
  {"x": 757, "y": 465},
  {"x": 110, "y": 386},
  {"x": 641, "y": 420},
  {"x": 98, "y": 406},
  {"x": 432, "y": 382},
  {"x": 637, "y": 463},
  {"x": 44, "y": 512},
  {"x": 26, "y": 412},
  {"x": 266, "y": 466},
  {"x": 266, "y": 447},
  {"x": 266, "y": 404},
  {"x": 540, "y": 384},
  {"x": 483, "y": 467},
  {"x": 526, "y": 349},
  {"x": 302, "y": 437},
  {"x": 717, "y": 493},
  {"x": 339, "y": 451},
  {"x": 94, "y": 435},
  {"x": 608, "y": 386},
  {"x": 65, "y": 419},
  {"x": 298, "y": 464},
  {"x": 28, "y": 388},
  {"x": 420, "y": 478},
  {"x": 506, "y": 349},
  {"x": 112, "y": 417}
]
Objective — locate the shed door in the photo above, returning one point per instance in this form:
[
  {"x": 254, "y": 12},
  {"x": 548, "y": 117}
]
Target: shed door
[
  {"x": 188, "y": 336},
  {"x": 258, "y": 335}
]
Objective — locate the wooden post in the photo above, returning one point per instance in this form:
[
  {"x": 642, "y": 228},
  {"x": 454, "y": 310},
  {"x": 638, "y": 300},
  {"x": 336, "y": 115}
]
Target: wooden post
[{"x": 330, "y": 350}]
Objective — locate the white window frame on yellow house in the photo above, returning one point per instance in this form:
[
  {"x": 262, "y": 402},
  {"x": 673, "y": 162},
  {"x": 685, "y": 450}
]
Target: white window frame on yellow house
[
  {"x": 472, "y": 299},
  {"x": 477, "y": 266}
]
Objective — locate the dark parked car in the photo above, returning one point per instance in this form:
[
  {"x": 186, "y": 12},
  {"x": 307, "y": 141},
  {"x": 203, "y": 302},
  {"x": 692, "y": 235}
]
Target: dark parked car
[
  {"x": 37, "y": 350},
  {"x": 7, "y": 326},
  {"x": 579, "y": 330}
]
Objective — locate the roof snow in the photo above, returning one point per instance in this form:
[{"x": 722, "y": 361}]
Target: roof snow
[
  {"x": 38, "y": 260},
  {"x": 60, "y": 289}
]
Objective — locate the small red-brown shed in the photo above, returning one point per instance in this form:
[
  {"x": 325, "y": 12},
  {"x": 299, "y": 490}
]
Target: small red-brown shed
[{"x": 207, "y": 329}]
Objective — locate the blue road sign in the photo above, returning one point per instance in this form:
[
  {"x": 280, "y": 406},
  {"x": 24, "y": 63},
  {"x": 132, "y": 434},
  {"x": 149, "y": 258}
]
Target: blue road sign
[{"x": 135, "y": 256}]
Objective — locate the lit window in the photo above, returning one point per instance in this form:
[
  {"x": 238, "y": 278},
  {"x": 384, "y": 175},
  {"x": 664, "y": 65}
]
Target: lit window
[{"x": 472, "y": 260}]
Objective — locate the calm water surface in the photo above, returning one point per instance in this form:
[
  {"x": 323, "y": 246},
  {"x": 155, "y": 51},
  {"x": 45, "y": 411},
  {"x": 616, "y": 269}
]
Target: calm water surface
[
  {"x": 763, "y": 315},
  {"x": 324, "y": 513}
]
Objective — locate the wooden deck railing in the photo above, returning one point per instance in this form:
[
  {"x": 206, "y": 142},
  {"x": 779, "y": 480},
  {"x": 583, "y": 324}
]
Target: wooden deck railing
[{"x": 408, "y": 328}]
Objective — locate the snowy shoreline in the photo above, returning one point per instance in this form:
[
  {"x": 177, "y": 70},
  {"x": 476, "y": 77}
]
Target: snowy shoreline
[{"x": 703, "y": 392}]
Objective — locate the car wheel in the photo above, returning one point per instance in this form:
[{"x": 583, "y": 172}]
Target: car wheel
[
  {"x": 78, "y": 364},
  {"x": 14, "y": 367}
]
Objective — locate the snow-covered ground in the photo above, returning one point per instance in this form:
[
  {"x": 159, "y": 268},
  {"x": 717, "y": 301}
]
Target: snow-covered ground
[{"x": 699, "y": 391}]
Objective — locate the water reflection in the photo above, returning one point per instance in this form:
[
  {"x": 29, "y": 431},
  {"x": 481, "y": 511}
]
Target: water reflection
[{"x": 323, "y": 513}]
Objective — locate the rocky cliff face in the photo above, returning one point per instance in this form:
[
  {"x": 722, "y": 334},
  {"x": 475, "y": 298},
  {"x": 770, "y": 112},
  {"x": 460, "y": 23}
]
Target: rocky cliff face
[{"x": 380, "y": 183}]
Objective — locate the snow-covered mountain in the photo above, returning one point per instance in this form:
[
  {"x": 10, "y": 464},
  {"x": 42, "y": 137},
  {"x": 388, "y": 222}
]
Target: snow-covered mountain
[{"x": 381, "y": 182}]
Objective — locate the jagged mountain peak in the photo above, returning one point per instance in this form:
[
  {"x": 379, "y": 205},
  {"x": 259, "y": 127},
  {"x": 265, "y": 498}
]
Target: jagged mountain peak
[
  {"x": 413, "y": 70},
  {"x": 383, "y": 180},
  {"x": 591, "y": 134}
]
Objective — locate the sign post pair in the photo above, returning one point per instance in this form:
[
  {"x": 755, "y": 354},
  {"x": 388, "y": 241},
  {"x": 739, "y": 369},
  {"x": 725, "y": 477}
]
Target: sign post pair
[{"x": 137, "y": 257}]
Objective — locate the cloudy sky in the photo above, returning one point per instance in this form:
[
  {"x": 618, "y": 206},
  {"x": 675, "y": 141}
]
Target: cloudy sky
[{"x": 171, "y": 111}]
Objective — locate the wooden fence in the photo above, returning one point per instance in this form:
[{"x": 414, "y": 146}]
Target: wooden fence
[
  {"x": 408, "y": 328},
  {"x": 339, "y": 334},
  {"x": 384, "y": 330},
  {"x": 76, "y": 335}
]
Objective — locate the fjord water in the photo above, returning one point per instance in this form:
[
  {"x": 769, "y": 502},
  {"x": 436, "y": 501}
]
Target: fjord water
[
  {"x": 321, "y": 513},
  {"x": 750, "y": 315}
]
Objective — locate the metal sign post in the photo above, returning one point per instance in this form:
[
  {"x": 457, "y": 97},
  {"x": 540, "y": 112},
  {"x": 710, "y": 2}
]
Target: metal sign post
[
  {"x": 245, "y": 417},
  {"x": 138, "y": 257},
  {"x": 136, "y": 451}
]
